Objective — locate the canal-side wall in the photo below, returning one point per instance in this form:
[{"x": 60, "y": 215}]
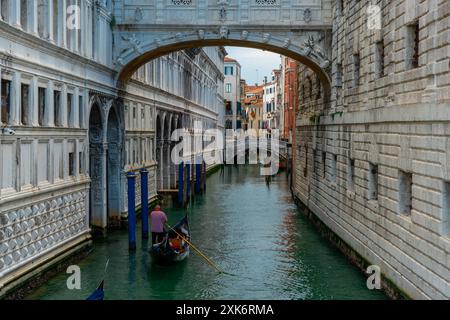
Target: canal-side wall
[
  {"x": 373, "y": 165},
  {"x": 30, "y": 277}
]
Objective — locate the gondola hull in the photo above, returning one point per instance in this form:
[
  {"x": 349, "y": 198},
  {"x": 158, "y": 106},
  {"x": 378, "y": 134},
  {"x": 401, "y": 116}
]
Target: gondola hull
[
  {"x": 167, "y": 256},
  {"x": 98, "y": 294}
]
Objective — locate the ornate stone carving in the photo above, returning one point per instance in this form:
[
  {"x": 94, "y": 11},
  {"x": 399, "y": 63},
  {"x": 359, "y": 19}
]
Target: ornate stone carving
[
  {"x": 223, "y": 32},
  {"x": 32, "y": 229},
  {"x": 138, "y": 15},
  {"x": 311, "y": 49},
  {"x": 266, "y": 37},
  {"x": 307, "y": 15},
  {"x": 120, "y": 61},
  {"x": 244, "y": 35},
  {"x": 134, "y": 42},
  {"x": 287, "y": 43},
  {"x": 223, "y": 10},
  {"x": 223, "y": 14},
  {"x": 201, "y": 34},
  {"x": 95, "y": 134}
]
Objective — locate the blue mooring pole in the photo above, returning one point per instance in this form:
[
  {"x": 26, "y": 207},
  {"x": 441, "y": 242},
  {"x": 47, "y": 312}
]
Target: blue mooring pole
[
  {"x": 131, "y": 211},
  {"x": 180, "y": 183},
  {"x": 144, "y": 203},
  {"x": 204, "y": 176},
  {"x": 188, "y": 169},
  {"x": 198, "y": 177}
]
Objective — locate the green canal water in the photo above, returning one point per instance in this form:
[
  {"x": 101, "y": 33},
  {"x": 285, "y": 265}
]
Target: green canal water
[{"x": 251, "y": 230}]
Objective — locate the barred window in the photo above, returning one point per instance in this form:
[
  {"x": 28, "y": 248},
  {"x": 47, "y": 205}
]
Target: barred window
[
  {"x": 405, "y": 192},
  {"x": 182, "y": 2},
  {"x": 266, "y": 2},
  {"x": 356, "y": 69},
  {"x": 379, "y": 59},
  {"x": 412, "y": 45}
]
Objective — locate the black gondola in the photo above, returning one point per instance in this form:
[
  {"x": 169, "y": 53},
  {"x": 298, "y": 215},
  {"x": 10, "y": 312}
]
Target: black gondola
[
  {"x": 173, "y": 248},
  {"x": 98, "y": 294}
]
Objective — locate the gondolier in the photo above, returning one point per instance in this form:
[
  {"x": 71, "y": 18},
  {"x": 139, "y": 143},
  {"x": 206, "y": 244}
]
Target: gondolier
[
  {"x": 158, "y": 219},
  {"x": 174, "y": 246}
]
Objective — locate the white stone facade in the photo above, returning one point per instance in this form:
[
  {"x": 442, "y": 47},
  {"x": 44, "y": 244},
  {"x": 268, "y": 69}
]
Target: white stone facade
[
  {"x": 48, "y": 78},
  {"x": 232, "y": 70},
  {"x": 373, "y": 164},
  {"x": 272, "y": 101},
  {"x": 69, "y": 134}
]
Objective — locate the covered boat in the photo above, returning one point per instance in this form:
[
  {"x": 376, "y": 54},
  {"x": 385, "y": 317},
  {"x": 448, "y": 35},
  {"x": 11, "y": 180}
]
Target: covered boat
[{"x": 173, "y": 247}]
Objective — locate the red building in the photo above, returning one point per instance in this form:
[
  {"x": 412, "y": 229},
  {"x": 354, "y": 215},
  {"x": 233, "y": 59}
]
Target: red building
[{"x": 290, "y": 73}]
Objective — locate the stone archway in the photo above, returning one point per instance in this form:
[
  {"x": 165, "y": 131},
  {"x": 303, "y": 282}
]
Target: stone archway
[
  {"x": 97, "y": 166},
  {"x": 310, "y": 48},
  {"x": 166, "y": 153},
  {"x": 173, "y": 167},
  {"x": 113, "y": 170},
  {"x": 159, "y": 153}
]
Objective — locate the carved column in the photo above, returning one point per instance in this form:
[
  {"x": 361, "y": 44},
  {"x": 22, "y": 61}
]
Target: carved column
[
  {"x": 174, "y": 170},
  {"x": 98, "y": 176},
  {"x": 168, "y": 165},
  {"x": 159, "y": 157},
  {"x": 76, "y": 31},
  {"x": 32, "y": 17},
  {"x": 14, "y": 13},
  {"x": 164, "y": 164},
  {"x": 83, "y": 26},
  {"x": 76, "y": 158},
  {"x": 62, "y": 24},
  {"x": 49, "y": 105},
  {"x": 15, "y": 98},
  {"x": 95, "y": 33},
  {"x": 63, "y": 113},
  {"x": 34, "y": 99},
  {"x": 1, "y": 73},
  {"x": 48, "y": 33},
  {"x": 76, "y": 108}
]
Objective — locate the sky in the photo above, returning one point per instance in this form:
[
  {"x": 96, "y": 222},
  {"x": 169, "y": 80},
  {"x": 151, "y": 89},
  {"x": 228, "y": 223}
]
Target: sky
[{"x": 255, "y": 63}]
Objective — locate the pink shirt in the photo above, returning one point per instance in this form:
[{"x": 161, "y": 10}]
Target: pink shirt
[{"x": 158, "y": 218}]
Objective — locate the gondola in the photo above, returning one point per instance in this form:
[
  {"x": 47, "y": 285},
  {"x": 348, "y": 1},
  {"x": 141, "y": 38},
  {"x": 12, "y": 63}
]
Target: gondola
[
  {"x": 173, "y": 248},
  {"x": 98, "y": 294}
]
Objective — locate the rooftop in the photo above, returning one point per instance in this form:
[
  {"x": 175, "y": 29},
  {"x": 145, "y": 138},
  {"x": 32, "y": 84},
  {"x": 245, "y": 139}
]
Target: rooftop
[
  {"x": 253, "y": 89},
  {"x": 229, "y": 59}
]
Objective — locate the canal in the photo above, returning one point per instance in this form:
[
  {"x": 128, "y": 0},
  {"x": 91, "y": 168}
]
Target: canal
[{"x": 252, "y": 230}]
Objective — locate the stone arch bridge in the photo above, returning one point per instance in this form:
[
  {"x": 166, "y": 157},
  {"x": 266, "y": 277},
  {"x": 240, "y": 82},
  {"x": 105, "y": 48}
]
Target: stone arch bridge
[{"x": 144, "y": 30}]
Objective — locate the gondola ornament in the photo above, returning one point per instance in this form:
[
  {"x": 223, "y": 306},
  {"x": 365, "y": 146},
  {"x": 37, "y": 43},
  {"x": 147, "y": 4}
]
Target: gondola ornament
[{"x": 99, "y": 293}]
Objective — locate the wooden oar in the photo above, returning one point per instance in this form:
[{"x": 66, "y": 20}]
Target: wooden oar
[{"x": 212, "y": 264}]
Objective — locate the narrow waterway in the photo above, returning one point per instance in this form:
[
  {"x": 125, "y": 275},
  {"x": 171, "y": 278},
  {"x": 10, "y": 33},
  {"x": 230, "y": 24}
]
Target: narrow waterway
[{"x": 252, "y": 230}]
